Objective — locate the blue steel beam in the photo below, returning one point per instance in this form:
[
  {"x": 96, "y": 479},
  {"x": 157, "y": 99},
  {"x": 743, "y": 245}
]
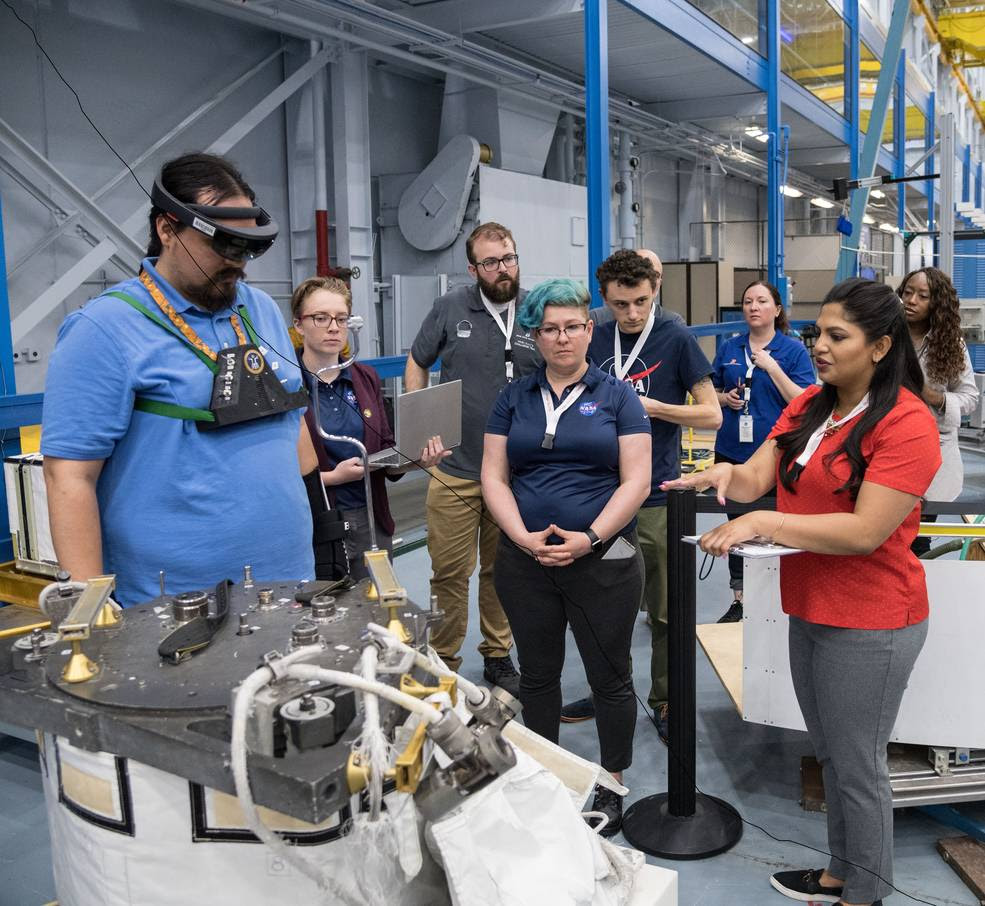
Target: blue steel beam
[
  {"x": 930, "y": 138},
  {"x": 853, "y": 66},
  {"x": 597, "y": 136},
  {"x": 899, "y": 140},
  {"x": 774, "y": 176},
  {"x": 978, "y": 185},
  {"x": 848, "y": 258},
  {"x": 966, "y": 174},
  {"x": 9, "y": 388}
]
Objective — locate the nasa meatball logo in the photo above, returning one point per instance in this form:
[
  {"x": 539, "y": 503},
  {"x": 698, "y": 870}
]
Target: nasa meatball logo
[
  {"x": 588, "y": 408},
  {"x": 350, "y": 397},
  {"x": 638, "y": 374},
  {"x": 253, "y": 361}
]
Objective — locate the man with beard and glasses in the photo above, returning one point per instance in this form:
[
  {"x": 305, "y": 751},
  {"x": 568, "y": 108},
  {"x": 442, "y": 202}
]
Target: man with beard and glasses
[
  {"x": 134, "y": 487},
  {"x": 473, "y": 330}
]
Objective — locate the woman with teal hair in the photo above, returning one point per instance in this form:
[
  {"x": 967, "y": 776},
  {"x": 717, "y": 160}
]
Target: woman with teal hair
[{"x": 565, "y": 467}]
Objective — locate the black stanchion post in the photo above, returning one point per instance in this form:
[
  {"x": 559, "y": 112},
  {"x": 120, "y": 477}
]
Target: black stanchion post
[{"x": 681, "y": 824}]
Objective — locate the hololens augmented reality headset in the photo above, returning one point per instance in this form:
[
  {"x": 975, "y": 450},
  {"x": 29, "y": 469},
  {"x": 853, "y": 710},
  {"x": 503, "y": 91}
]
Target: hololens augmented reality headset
[{"x": 234, "y": 243}]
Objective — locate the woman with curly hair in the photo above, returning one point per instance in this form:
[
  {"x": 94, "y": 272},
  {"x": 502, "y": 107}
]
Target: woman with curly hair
[{"x": 934, "y": 319}]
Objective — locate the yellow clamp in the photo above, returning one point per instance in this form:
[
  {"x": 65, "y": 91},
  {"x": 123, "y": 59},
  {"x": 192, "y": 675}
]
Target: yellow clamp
[{"x": 447, "y": 684}]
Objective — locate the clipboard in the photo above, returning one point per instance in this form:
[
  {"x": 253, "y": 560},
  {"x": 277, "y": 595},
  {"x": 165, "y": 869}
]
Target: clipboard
[{"x": 754, "y": 549}]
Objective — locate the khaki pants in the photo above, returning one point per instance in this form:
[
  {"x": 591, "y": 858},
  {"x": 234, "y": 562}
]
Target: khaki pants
[
  {"x": 651, "y": 528},
  {"x": 459, "y": 527}
]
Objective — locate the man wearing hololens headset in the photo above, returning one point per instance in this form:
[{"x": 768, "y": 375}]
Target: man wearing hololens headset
[{"x": 155, "y": 457}]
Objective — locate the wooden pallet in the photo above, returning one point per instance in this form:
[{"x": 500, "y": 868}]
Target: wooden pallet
[{"x": 967, "y": 857}]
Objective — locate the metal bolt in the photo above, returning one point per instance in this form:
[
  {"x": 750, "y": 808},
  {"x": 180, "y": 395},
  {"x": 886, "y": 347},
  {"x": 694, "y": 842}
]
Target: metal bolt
[
  {"x": 248, "y": 577},
  {"x": 37, "y": 637},
  {"x": 244, "y": 625},
  {"x": 62, "y": 576},
  {"x": 307, "y": 702}
]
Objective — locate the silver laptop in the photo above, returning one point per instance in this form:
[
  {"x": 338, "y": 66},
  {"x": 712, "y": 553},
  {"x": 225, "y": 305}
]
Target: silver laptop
[{"x": 420, "y": 415}]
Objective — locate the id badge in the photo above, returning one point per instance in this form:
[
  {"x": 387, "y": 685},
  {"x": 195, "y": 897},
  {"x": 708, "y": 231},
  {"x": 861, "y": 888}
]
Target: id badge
[{"x": 745, "y": 429}]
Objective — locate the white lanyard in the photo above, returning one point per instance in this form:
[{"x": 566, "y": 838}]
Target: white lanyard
[
  {"x": 619, "y": 368},
  {"x": 505, "y": 329},
  {"x": 750, "y": 367},
  {"x": 552, "y": 415},
  {"x": 829, "y": 423}
]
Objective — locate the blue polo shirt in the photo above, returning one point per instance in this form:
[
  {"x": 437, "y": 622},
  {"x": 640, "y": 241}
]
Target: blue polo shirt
[
  {"x": 765, "y": 401},
  {"x": 199, "y": 505},
  {"x": 666, "y": 368},
  {"x": 570, "y": 484},
  {"x": 338, "y": 410}
]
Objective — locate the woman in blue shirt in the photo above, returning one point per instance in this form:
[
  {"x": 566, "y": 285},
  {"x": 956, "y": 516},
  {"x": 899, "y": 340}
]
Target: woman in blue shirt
[
  {"x": 755, "y": 374},
  {"x": 566, "y": 465},
  {"x": 350, "y": 404}
]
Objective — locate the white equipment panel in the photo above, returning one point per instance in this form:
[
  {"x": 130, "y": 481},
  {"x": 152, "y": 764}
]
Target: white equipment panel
[{"x": 942, "y": 706}]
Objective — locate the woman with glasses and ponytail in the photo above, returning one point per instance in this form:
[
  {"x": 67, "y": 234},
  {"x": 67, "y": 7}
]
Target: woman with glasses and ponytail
[
  {"x": 850, "y": 460},
  {"x": 350, "y": 403},
  {"x": 565, "y": 467}
]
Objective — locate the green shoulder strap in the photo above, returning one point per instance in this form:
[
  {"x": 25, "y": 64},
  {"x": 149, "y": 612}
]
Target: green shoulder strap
[
  {"x": 251, "y": 331},
  {"x": 160, "y": 407},
  {"x": 160, "y": 322}
]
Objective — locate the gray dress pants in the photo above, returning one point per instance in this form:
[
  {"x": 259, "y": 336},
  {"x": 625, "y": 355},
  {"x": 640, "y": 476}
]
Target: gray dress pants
[{"x": 849, "y": 683}]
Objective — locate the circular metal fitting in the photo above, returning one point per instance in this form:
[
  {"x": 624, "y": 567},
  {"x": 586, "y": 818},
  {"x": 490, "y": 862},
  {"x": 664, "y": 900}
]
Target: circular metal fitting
[
  {"x": 37, "y": 638},
  {"x": 188, "y": 605},
  {"x": 322, "y": 607},
  {"x": 265, "y": 598},
  {"x": 305, "y": 632},
  {"x": 308, "y": 707}
]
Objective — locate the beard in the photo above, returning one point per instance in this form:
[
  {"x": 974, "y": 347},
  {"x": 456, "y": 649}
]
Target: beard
[
  {"x": 501, "y": 289},
  {"x": 218, "y": 293}
]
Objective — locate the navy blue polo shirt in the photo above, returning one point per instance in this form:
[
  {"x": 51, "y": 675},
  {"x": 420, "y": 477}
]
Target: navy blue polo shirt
[
  {"x": 338, "y": 410},
  {"x": 570, "y": 484},
  {"x": 667, "y": 367},
  {"x": 765, "y": 400}
]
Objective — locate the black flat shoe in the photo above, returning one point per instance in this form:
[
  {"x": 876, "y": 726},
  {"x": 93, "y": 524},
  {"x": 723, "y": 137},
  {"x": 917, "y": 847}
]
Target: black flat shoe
[{"x": 610, "y": 804}]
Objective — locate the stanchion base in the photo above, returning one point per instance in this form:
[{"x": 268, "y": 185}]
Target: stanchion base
[{"x": 713, "y": 828}]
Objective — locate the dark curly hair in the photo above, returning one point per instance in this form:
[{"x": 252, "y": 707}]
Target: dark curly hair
[
  {"x": 876, "y": 310},
  {"x": 625, "y": 268},
  {"x": 945, "y": 347}
]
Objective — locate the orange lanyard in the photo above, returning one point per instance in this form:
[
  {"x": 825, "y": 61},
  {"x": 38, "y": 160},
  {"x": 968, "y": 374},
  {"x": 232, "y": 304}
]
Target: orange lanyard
[{"x": 181, "y": 324}]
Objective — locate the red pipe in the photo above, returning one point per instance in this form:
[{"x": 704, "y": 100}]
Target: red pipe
[{"x": 322, "y": 267}]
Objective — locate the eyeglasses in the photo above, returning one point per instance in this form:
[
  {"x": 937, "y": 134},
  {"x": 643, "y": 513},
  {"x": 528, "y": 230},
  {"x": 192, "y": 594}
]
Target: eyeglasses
[
  {"x": 571, "y": 331},
  {"x": 490, "y": 265},
  {"x": 320, "y": 319}
]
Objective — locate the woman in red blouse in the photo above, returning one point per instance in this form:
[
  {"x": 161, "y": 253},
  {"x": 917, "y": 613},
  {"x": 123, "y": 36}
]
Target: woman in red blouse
[{"x": 850, "y": 460}]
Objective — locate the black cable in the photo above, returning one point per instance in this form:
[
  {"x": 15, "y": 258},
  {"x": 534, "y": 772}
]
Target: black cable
[{"x": 465, "y": 502}]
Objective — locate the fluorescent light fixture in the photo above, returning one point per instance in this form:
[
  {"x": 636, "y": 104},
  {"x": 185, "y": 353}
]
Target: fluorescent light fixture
[
  {"x": 867, "y": 219},
  {"x": 888, "y": 228},
  {"x": 877, "y": 193},
  {"x": 822, "y": 202},
  {"x": 791, "y": 192},
  {"x": 748, "y": 39},
  {"x": 763, "y": 137}
]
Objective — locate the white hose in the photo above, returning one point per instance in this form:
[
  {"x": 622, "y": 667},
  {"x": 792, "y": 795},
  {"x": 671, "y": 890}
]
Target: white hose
[
  {"x": 372, "y": 744},
  {"x": 475, "y": 694},
  {"x": 323, "y": 675},
  {"x": 241, "y": 709}
]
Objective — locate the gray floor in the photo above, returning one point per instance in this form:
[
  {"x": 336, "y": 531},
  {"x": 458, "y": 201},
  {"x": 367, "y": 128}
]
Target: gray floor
[{"x": 754, "y": 768}]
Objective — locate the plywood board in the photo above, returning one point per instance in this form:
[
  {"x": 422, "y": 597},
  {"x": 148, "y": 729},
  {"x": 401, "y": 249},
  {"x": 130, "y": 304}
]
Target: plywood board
[{"x": 722, "y": 643}]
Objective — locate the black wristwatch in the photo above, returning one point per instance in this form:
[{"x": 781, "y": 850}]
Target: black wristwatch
[{"x": 596, "y": 541}]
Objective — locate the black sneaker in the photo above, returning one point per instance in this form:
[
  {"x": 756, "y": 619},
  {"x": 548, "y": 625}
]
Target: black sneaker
[
  {"x": 805, "y": 886},
  {"x": 576, "y": 712},
  {"x": 610, "y": 804},
  {"x": 661, "y": 714},
  {"x": 733, "y": 614},
  {"x": 500, "y": 672}
]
